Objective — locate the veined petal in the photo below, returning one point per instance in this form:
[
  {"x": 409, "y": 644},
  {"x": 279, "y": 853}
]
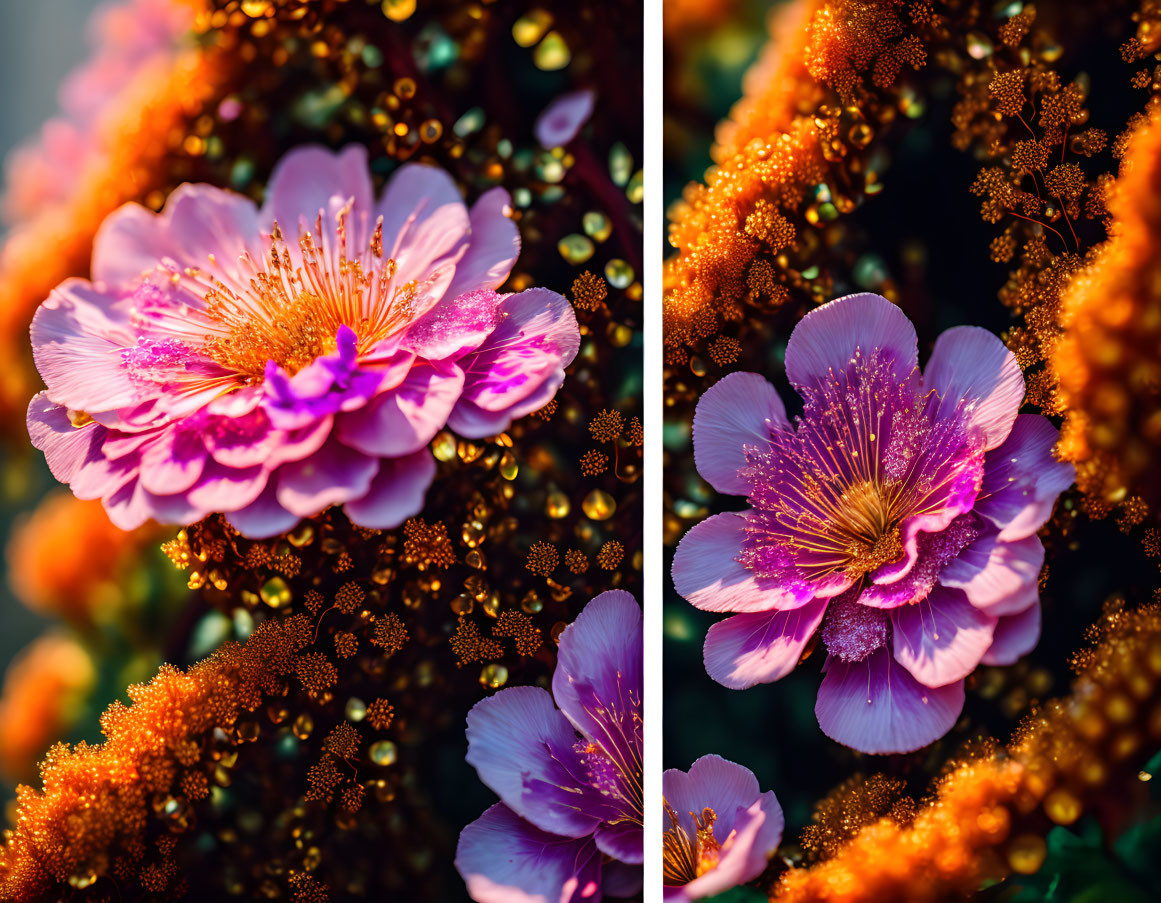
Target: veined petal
[{"x": 738, "y": 410}]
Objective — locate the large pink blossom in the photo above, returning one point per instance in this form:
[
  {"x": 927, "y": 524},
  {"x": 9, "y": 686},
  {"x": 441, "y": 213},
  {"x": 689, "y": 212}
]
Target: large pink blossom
[
  {"x": 268, "y": 363},
  {"x": 896, "y": 519}
]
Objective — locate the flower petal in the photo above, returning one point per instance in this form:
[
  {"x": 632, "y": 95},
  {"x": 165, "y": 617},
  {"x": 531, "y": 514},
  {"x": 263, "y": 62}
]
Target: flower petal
[
  {"x": 722, "y": 785},
  {"x": 536, "y": 339},
  {"x": 404, "y": 419},
  {"x": 755, "y": 835},
  {"x": 597, "y": 682},
  {"x": 942, "y": 638},
  {"x": 307, "y": 179},
  {"x": 504, "y": 859},
  {"x": 876, "y": 706},
  {"x": 829, "y": 336},
  {"x": 970, "y": 366},
  {"x": 396, "y": 493},
  {"x": 706, "y": 572},
  {"x": 624, "y": 841},
  {"x": 522, "y": 748},
  {"x": 263, "y": 517},
  {"x": 493, "y": 246},
  {"x": 999, "y": 577},
  {"x": 332, "y": 475},
  {"x": 77, "y": 348},
  {"x": 738, "y": 410},
  {"x": 1022, "y": 478},
  {"x": 1016, "y": 635},
  {"x": 65, "y": 447},
  {"x": 760, "y": 647},
  {"x": 558, "y": 124}
]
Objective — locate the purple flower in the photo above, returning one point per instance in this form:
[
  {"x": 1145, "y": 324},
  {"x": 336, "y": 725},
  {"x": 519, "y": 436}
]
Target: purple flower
[
  {"x": 720, "y": 829},
  {"x": 568, "y": 827},
  {"x": 896, "y": 518},
  {"x": 563, "y": 118},
  {"x": 214, "y": 365}
]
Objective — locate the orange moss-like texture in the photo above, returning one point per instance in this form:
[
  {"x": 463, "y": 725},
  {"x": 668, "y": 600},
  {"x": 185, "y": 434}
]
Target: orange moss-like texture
[
  {"x": 987, "y": 817},
  {"x": 91, "y": 818},
  {"x": 45, "y": 681},
  {"x": 733, "y": 233},
  {"x": 1107, "y": 360},
  {"x": 143, "y": 126},
  {"x": 66, "y": 559}
]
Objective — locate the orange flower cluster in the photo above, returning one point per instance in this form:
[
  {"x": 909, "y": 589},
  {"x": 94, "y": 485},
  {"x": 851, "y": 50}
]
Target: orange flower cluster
[
  {"x": 93, "y": 816},
  {"x": 42, "y": 687},
  {"x": 1106, "y": 360},
  {"x": 145, "y": 126},
  {"x": 988, "y": 816},
  {"x": 748, "y": 233},
  {"x": 67, "y": 560}
]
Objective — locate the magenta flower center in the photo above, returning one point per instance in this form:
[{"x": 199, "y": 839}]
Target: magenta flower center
[{"x": 869, "y": 452}]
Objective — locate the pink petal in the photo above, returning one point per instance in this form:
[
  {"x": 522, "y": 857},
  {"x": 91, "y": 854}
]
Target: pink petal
[
  {"x": 263, "y": 517},
  {"x": 829, "y": 336},
  {"x": 77, "y": 348},
  {"x": 876, "y": 706},
  {"x": 307, "y": 179},
  {"x": 493, "y": 246},
  {"x": 706, "y": 573},
  {"x": 404, "y": 419},
  {"x": 942, "y": 638},
  {"x": 739, "y": 410},
  {"x": 65, "y": 446},
  {"x": 226, "y": 488},
  {"x": 760, "y": 647},
  {"x": 396, "y": 493},
  {"x": 332, "y": 475},
  {"x": 969, "y": 365}
]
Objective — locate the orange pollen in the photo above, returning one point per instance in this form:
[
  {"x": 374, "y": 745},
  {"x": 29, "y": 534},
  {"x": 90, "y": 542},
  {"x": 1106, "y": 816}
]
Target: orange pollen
[{"x": 291, "y": 315}]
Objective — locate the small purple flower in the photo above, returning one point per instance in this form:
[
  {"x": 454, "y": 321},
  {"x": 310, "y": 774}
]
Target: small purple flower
[
  {"x": 216, "y": 365},
  {"x": 896, "y": 518},
  {"x": 720, "y": 829},
  {"x": 564, "y": 117},
  {"x": 568, "y": 827}
]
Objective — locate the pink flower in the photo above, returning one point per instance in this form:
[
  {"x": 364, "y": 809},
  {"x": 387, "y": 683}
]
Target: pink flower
[
  {"x": 896, "y": 518},
  {"x": 213, "y": 365}
]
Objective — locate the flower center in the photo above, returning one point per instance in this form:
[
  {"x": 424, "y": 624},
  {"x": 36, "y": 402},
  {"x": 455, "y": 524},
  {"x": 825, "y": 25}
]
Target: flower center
[
  {"x": 686, "y": 858},
  {"x": 290, "y": 314}
]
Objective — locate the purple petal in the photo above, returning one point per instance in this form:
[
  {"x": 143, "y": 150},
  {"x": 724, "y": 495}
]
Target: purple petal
[
  {"x": 970, "y": 366},
  {"x": 707, "y": 574},
  {"x": 263, "y": 517},
  {"x": 999, "y": 577},
  {"x": 404, "y": 419},
  {"x": 307, "y": 179},
  {"x": 876, "y": 706},
  {"x": 504, "y": 859},
  {"x": 942, "y": 638},
  {"x": 563, "y": 118},
  {"x": 713, "y": 782},
  {"x": 1016, "y": 635},
  {"x": 493, "y": 246},
  {"x": 598, "y": 667},
  {"x": 77, "y": 349},
  {"x": 829, "y": 336},
  {"x": 738, "y": 410},
  {"x": 623, "y": 841},
  {"x": 332, "y": 475},
  {"x": 522, "y": 748},
  {"x": 396, "y": 493},
  {"x": 618, "y": 879},
  {"x": 1022, "y": 478},
  {"x": 760, "y": 647},
  {"x": 473, "y": 422}
]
